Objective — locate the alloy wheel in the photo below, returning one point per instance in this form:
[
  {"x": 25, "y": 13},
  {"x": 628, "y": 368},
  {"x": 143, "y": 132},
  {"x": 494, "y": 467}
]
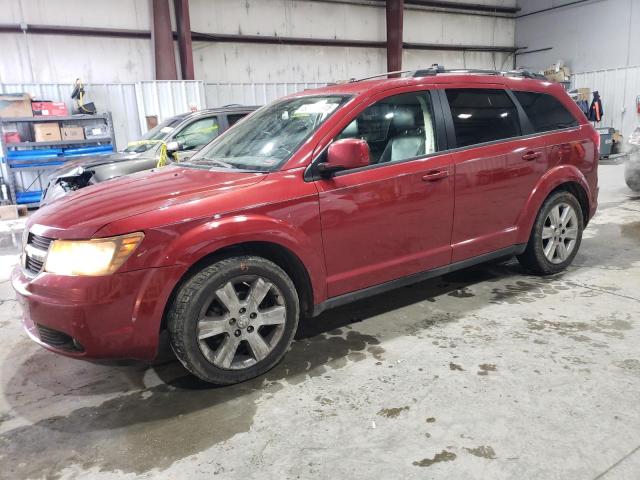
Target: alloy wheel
[
  {"x": 560, "y": 233},
  {"x": 242, "y": 323}
]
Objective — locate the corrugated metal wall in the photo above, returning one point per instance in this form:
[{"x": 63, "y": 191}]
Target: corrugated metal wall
[
  {"x": 618, "y": 88},
  {"x": 130, "y": 103},
  {"x": 165, "y": 99},
  {"x": 219, "y": 94}
]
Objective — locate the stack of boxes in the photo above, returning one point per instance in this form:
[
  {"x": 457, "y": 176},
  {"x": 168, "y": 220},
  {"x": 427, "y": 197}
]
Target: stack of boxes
[{"x": 20, "y": 105}]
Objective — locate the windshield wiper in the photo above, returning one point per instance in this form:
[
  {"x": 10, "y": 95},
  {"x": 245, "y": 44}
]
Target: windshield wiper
[{"x": 209, "y": 162}]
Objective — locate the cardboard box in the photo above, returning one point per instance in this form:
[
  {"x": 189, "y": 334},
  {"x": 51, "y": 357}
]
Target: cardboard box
[
  {"x": 47, "y": 132},
  {"x": 72, "y": 132},
  {"x": 558, "y": 74},
  {"x": 15, "y": 105},
  {"x": 96, "y": 131},
  {"x": 8, "y": 212},
  {"x": 49, "y": 109}
]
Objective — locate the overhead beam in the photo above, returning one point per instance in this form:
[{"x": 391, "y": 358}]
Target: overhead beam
[
  {"x": 162, "y": 36},
  {"x": 257, "y": 39},
  {"x": 183, "y": 24},
  {"x": 394, "y": 9},
  {"x": 471, "y": 7}
]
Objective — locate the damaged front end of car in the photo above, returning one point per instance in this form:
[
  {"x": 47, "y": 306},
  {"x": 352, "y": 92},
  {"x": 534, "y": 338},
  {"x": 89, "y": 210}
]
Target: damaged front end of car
[{"x": 66, "y": 183}]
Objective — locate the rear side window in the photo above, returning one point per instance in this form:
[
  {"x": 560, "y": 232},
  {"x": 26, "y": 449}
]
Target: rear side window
[
  {"x": 482, "y": 115},
  {"x": 545, "y": 112}
]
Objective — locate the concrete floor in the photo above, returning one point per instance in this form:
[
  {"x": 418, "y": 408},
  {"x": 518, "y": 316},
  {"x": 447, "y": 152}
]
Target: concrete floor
[{"x": 486, "y": 373}]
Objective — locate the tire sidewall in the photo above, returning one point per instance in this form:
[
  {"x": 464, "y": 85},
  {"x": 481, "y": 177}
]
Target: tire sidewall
[
  {"x": 196, "y": 362},
  {"x": 551, "y": 202}
]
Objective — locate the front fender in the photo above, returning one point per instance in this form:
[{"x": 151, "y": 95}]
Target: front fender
[
  {"x": 217, "y": 233},
  {"x": 549, "y": 182}
]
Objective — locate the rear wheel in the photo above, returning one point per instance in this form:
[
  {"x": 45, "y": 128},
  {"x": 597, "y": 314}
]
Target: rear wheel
[
  {"x": 234, "y": 320},
  {"x": 556, "y": 235}
]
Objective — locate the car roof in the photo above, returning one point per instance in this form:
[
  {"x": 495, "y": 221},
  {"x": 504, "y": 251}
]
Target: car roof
[
  {"x": 371, "y": 86},
  {"x": 227, "y": 109}
]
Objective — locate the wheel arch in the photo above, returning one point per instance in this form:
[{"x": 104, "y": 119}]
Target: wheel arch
[
  {"x": 563, "y": 178},
  {"x": 578, "y": 191},
  {"x": 274, "y": 252}
]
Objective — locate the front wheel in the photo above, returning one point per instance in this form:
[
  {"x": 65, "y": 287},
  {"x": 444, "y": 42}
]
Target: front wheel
[
  {"x": 234, "y": 320},
  {"x": 556, "y": 235}
]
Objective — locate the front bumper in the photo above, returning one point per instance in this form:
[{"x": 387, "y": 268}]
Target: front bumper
[{"x": 112, "y": 316}]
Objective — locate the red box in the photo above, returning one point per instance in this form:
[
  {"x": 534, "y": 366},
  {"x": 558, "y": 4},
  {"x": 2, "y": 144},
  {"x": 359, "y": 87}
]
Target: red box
[
  {"x": 11, "y": 137},
  {"x": 49, "y": 109}
]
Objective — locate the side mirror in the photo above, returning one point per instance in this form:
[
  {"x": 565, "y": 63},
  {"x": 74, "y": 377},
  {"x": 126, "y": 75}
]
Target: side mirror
[
  {"x": 344, "y": 154},
  {"x": 174, "y": 146}
]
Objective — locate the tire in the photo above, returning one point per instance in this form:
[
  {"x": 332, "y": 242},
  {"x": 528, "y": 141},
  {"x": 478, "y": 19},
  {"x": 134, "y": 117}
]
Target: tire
[
  {"x": 218, "y": 314},
  {"x": 632, "y": 176},
  {"x": 542, "y": 257}
]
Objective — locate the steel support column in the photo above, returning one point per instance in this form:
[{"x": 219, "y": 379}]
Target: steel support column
[
  {"x": 394, "y": 34},
  {"x": 184, "y": 38},
  {"x": 162, "y": 35}
]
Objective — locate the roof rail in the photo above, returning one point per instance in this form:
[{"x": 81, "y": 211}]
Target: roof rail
[
  {"x": 352, "y": 80},
  {"x": 435, "y": 69}
]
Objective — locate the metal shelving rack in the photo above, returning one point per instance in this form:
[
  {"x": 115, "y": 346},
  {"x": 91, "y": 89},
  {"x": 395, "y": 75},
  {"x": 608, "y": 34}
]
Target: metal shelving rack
[{"x": 40, "y": 168}]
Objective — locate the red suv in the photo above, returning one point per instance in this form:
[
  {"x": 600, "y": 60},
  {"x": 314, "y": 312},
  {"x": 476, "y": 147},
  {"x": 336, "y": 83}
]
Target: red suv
[{"x": 313, "y": 201}]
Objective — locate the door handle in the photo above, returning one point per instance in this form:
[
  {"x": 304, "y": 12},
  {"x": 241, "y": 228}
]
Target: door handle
[
  {"x": 435, "y": 175},
  {"x": 531, "y": 156}
]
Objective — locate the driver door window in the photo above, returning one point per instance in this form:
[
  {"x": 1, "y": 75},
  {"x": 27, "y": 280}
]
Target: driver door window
[
  {"x": 396, "y": 128},
  {"x": 198, "y": 133}
]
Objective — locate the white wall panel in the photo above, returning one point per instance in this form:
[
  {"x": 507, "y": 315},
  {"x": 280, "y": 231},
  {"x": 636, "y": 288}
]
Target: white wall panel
[
  {"x": 165, "y": 99},
  {"x": 220, "y": 94}
]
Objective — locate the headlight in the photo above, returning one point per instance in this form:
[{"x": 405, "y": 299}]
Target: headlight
[{"x": 100, "y": 256}]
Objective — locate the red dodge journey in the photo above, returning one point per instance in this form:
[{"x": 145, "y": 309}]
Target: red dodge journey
[{"x": 313, "y": 201}]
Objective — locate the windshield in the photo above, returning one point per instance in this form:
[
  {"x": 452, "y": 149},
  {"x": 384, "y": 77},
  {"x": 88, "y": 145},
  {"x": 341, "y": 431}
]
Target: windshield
[
  {"x": 151, "y": 138},
  {"x": 266, "y": 139}
]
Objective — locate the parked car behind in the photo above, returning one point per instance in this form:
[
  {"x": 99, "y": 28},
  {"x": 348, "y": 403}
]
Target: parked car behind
[
  {"x": 632, "y": 164},
  {"x": 316, "y": 200},
  {"x": 182, "y": 135}
]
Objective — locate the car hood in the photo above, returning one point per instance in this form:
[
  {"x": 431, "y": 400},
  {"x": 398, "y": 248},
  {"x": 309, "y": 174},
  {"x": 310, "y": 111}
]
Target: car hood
[{"x": 82, "y": 213}]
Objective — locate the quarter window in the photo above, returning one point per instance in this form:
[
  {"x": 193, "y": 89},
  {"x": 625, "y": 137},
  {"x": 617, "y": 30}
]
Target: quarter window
[
  {"x": 545, "y": 112},
  {"x": 396, "y": 128},
  {"x": 482, "y": 115}
]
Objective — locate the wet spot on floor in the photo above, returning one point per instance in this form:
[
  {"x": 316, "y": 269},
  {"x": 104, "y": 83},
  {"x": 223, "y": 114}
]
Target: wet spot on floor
[
  {"x": 323, "y": 400},
  {"x": 154, "y": 421},
  {"x": 356, "y": 356},
  {"x": 528, "y": 291},
  {"x": 377, "y": 352},
  {"x": 5, "y": 417},
  {"x": 610, "y": 326},
  {"x": 392, "y": 412},
  {"x": 630, "y": 230},
  {"x": 483, "y": 451},
  {"x": 455, "y": 366},
  {"x": 443, "y": 456},
  {"x": 461, "y": 293},
  {"x": 485, "y": 368},
  {"x": 629, "y": 364}
]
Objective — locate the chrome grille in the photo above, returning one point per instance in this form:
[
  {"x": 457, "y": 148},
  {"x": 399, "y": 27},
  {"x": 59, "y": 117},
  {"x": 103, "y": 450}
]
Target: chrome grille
[
  {"x": 39, "y": 242},
  {"x": 35, "y": 253}
]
